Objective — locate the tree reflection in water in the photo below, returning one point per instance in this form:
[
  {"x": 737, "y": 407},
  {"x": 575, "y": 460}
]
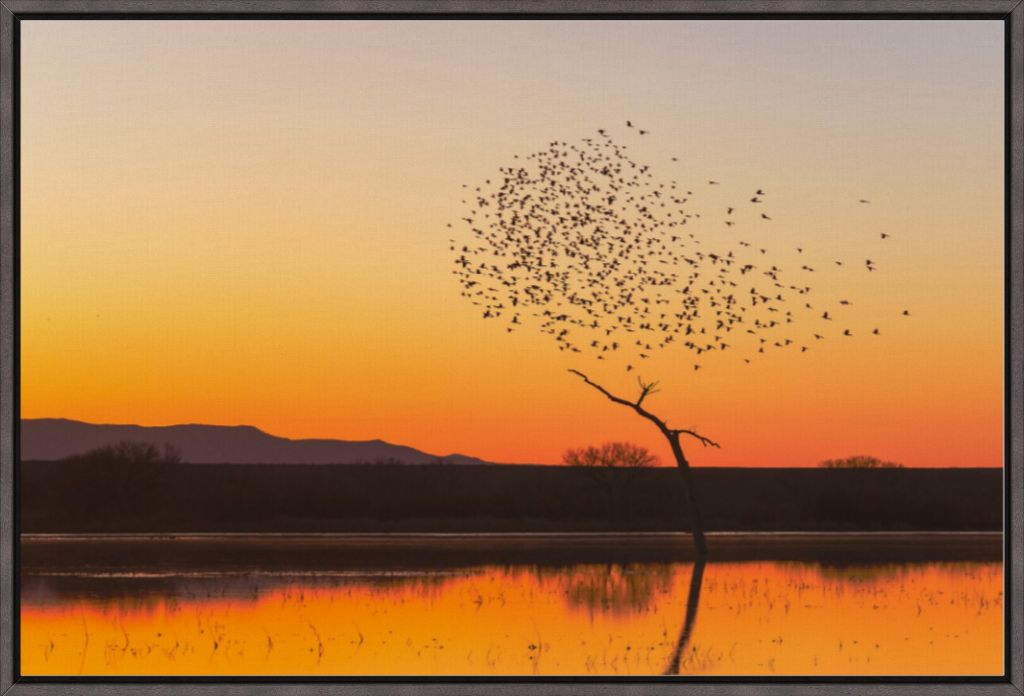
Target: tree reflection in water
[
  {"x": 616, "y": 589},
  {"x": 623, "y": 590},
  {"x": 692, "y": 603}
]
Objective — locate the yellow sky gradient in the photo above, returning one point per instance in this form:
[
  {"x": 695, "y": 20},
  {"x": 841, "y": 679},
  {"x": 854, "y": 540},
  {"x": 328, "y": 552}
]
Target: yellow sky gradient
[{"x": 245, "y": 222}]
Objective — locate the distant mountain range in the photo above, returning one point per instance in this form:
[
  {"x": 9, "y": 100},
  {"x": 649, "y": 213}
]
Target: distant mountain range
[{"x": 56, "y": 438}]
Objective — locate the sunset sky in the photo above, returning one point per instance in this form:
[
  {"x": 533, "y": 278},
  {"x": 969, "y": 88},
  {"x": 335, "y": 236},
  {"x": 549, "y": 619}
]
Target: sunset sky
[{"x": 244, "y": 222}]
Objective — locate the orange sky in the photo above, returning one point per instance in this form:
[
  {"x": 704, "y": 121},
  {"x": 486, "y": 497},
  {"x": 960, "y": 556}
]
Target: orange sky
[{"x": 244, "y": 222}]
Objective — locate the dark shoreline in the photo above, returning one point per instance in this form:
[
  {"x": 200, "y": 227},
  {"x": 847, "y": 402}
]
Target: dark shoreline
[
  {"x": 63, "y": 497},
  {"x": 185, "y": 553}
]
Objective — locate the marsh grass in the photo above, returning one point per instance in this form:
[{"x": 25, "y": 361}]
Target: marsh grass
[{"x": 771, "y": 618}]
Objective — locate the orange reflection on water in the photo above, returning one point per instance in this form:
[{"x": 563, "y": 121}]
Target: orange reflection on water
[{"x": 751, "y": 618}]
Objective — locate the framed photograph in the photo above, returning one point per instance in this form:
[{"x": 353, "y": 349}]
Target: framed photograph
[{"x": 406, "y": 347}]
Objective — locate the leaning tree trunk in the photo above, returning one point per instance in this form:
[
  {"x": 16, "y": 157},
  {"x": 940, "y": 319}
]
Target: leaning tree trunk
[
  {"x": 672, "y": 435},
  {"x": 693, "y": 510}
]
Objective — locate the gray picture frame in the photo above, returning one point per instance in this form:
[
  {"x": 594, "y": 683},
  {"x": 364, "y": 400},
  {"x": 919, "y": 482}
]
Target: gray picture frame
[{"x": 1011, "y": 12}]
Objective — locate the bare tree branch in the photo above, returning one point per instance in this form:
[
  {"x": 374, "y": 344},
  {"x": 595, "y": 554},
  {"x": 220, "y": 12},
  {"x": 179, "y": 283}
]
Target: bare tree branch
[
  {"x": 696, "y": 526},
  {"x": 706, "y": 441},
  {"x": 616, "y": 399},
  {"x": 645, "y": 390}
]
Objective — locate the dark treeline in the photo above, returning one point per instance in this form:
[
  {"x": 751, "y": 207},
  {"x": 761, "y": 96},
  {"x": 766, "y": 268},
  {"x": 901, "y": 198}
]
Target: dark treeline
[{"x": 166, "y": 496}]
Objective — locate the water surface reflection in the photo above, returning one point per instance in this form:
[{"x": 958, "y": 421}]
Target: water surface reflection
[{"x": 722, "y": 618}]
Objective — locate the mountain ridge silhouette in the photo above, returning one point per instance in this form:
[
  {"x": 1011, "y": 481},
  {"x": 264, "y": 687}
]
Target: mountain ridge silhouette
[{"x": 50, "y": 439}]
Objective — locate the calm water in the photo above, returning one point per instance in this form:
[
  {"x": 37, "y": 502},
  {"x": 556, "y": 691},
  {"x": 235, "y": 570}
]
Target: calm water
[{"x": 723, "y": 618}]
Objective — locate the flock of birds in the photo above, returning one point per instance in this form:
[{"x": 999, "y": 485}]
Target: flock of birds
[{"x": 585, "y": 242}]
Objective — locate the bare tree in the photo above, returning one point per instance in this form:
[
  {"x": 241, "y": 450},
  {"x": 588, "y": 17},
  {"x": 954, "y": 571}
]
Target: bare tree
[
  {"x": 613, "y": 466},
  {"x": 130, "y": 453},
  {"x": 859, "y": 461},
  {"x": 673, "y": 436},
  {"x": 617, "y": 258}
]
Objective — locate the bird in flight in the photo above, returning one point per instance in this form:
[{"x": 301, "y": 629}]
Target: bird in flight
[{"x": 614, "y": 259}]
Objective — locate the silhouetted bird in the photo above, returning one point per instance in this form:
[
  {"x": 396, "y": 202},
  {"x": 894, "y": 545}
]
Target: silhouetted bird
[{"x": 591, "y": 247}]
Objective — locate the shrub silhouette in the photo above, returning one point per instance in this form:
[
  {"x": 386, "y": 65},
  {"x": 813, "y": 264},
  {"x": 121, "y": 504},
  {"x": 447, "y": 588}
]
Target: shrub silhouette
[
  {"x": 613, "y": 467},
  {"x": 129, "y": 453},
  {"x": 625, "y": 455},
  {"x": 133, "y": 474},
  {"x": 859, "y": 461}
]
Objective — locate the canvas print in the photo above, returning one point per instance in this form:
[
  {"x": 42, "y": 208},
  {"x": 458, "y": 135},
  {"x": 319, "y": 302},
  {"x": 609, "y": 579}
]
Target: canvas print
[{"x": 587, "y": 348}]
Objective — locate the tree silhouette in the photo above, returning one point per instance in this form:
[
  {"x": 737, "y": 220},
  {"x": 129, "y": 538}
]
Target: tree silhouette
[
  {"x": 612, "y": 466},
  {"x": 859, "y": 461},
  {"x": 586, "y": 244},
  {"x": 673, "y": 436}
]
